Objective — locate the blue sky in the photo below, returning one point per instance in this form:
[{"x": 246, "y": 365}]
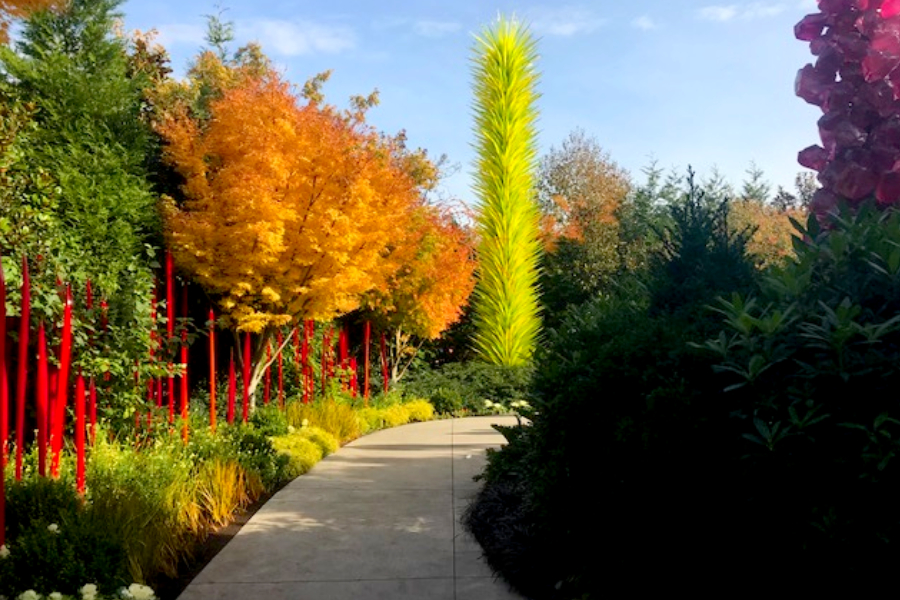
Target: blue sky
[{"x": 695, "y": 82}]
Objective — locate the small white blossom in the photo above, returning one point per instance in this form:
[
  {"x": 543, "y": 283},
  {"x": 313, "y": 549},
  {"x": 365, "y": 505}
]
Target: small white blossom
[
  {"x": 53, "y": 528},
  {"x": 55, "y": 596},
  {"x": 291, "y": 429},
  {"x": 139, "y": 592},
  {"x": 305, "y": 423},
  {"x": 29, "y": 595},
  {"x": 4, "y": 551},
  {"x": 488, "y": 404},
  {"x": 89, "y": 591}
]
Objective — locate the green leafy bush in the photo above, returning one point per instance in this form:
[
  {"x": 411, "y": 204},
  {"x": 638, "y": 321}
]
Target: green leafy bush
[
  {"x": 623, "y": 403},
  {"x": 419, "y": 410},
  {"x": 269, "y": 420},
  {"x": 324, "y": 440},
  {"x": 457, "y": 387},
  {"x": 302, "y": 453},
  {"x": 56, "y": 543},
  {"x": 813, "y": 365}
]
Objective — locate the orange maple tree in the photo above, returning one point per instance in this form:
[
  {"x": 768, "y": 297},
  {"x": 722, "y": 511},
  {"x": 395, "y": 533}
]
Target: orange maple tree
[
  {"x": 287, "y": 209},
  {"x": 20, "y": 9},
  {"x": 429, "y": 290}
]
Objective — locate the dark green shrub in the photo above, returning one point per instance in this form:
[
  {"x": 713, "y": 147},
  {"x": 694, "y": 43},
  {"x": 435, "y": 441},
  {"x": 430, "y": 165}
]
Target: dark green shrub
[
  {"x": 269, "y": 420},
  {"x": 454, "y": 387},
  {"x": 57, "y": 544},
  {"x": 814, "y": 365},
  {"x": 625, "y": 406},
  {"x": 255, "y": 452}
]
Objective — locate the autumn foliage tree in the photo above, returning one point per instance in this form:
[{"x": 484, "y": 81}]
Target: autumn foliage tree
[
  {"x": 580, "y": 191},
  {"x": 287, "y": 208},
  {"x": 431, "y": 287},
  {"x": 19, "y": 9}
]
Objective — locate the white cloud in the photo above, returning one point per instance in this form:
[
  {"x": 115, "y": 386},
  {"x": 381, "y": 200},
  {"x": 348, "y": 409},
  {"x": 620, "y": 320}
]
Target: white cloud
[
  {"x": 172, "y": 34},
  {"x": 718, "y": 13},
  {"x": 754, "y": 10},
  {"x": 436, "y": 28},
  {"x": 566, "y": 21},
  {"x": 644, "y": 22},
  {"x": 758, "y": 10},
  {"x": 296, "y": 38}
]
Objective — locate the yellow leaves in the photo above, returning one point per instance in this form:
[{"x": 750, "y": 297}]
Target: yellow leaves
[
  {"x": 433, "y": 277},
  {"x": 287, "y": 209},
  {"x": 771, "y": 242}
]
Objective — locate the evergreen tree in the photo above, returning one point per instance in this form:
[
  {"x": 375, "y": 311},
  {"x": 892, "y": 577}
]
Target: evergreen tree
[
  {"x": 87, "y": 194},
  {"x": 89, "y": 136}
]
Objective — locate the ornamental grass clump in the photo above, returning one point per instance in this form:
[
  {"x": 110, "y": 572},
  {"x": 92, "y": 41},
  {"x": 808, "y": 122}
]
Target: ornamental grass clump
[{"x": 856, "y": 82}]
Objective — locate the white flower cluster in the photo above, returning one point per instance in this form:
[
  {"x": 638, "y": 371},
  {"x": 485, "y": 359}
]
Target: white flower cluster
[
  {"x": 53, "y": 528},
  {"x": 89, "y": 591},
  {"x": 136, "y": 591},
  {"x": 519, "y": 404},
  {"x": 29, "y": 595},
  {"x": 4, "y": 551}
]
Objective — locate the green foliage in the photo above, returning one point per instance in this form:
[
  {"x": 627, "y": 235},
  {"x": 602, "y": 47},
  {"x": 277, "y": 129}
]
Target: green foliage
[
  {"x": 256, "y": 454},
  {"x": 812, "y": 364},
  {"x": 419, "y": 410},
  {"x": 621, "y": 401},
  {"x": 506, "y": 302},
  {"x": 269, "y": 420},
  {"x": 302, "y": 453},
  {"x": 78, "y": 177},
  {"x": 321, "y": 438},
  {"x": 700, "y": 255},
  {"x": 57, "y": 544},
  {"x": 455, "y": 388}
]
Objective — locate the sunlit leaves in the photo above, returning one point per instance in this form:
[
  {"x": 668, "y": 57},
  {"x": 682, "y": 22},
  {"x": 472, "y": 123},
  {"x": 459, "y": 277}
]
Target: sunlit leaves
[{"x": 288, "y": 208}]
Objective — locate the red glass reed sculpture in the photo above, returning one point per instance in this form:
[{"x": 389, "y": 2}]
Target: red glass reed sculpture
[
  {"x": 22, "y": 371},
  {"x": 184, "y": 361},
  {"x": 92, "y": 393},
  {"x": 367, "y": 335},
  {"x": 43, "y": 401},
  {"x": 4, "y": 407},
  {"x": 65, "y": 360},
  {"x": 280, "y": 339},
  {"x": 306, "y": 374},
  {"x": 268, "y": 377},
  {"x": 232, "y": 389},
  {"x": 170, "y": 332},
  {"x": 384, "y": 363},
  {"x": 79, "y": 433},
  {"x": 245, "y": 414},
  {"x": 151, "y": 383},
  {"x": 212, "y": 370},
  {"x": 92, "y": 412}
]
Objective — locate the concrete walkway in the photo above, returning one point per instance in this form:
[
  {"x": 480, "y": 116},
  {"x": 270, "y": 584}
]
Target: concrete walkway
[{"x": 377, "y": 520}]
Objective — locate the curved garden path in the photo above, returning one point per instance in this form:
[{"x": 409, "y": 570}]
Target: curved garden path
[{"x": 379, "y": 519}]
